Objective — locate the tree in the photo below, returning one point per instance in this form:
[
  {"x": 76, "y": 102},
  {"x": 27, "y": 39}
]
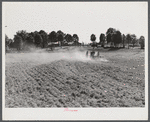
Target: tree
[
  {"x": 9, "y": 42},
  {"x": 23, "y": 34},
  {"x": 18, "y": 42},
  {"x": 76, "y": 39},
  {"x": 109, "y": 38},
  {"x": 111, "y": 31},
  {"x": 6, "y": 40},
  {"x": 60, "y": 32},
  {"x": 142, "y": 42},
  {"x": 44, "y": 38},
  {"x": 123, "y": 40},
  {"x": 128, "y": 37},
  {"x": 30, "y": 40},
  {"x": 33, "y": 33},
  {"x": 102, "y": 39},
  {"x": 38, "y": 39},
  {"x": 93, "y": 38},
  {"x": 52, "y": 37},
  {"x": 109, "y": 34},
  {"x": 133, "y": 39},
  {"x": 117, "y": 38},
  {"x": 60, "y": 37},
  {"x": 69, "y": 38},
  {"x": 11, "y": 45}
]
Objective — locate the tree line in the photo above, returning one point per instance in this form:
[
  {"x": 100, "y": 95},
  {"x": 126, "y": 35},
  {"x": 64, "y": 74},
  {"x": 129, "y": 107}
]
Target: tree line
[
  {"x": 115, "y": 37},
  {"x": 25, "y": 40}
]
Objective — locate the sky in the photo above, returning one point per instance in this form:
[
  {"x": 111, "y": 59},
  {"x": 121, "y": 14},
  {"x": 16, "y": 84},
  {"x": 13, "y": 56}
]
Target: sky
[{"x": 81, "y": 18}]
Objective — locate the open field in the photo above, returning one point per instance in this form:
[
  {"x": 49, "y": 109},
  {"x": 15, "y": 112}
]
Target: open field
[{"x": 66, "y": 78}]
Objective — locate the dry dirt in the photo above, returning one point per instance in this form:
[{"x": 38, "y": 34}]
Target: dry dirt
[{"x": 69, "y": 79}]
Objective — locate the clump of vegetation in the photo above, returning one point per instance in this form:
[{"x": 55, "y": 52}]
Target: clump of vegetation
[
  {"x": 24, "y": 41},
  {"x": 115, "y": 38},
  {"x": 102, "y": 39},
  {"x": 142, "y": 42},
  {"x": 93, "y": 38}
]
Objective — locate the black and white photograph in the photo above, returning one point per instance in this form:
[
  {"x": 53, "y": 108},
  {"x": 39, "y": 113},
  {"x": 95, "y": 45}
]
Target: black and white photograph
[{"x": 75, "y": 60}]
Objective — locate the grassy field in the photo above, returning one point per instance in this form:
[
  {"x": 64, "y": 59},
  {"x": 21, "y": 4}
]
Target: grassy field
[{"x": 66, "y": 78}]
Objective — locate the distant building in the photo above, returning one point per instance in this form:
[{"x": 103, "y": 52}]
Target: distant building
[
  {"x": 55, "y": 44},
  {"x": 70, "y": 43}
]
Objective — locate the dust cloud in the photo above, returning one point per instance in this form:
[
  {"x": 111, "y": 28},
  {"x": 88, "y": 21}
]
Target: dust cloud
[{"x": 43, "y": 56}]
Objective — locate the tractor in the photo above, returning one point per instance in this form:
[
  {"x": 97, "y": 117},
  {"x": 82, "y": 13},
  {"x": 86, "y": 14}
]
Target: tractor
[{"x": 92, "y": 54}]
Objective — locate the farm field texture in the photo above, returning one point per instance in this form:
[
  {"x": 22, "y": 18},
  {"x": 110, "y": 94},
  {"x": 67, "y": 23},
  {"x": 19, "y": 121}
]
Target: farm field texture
[{"x": 66, "y": 78}]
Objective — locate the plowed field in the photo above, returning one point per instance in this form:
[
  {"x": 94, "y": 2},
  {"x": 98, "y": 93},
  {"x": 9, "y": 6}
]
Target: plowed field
[{"x": 72, "y": 80}]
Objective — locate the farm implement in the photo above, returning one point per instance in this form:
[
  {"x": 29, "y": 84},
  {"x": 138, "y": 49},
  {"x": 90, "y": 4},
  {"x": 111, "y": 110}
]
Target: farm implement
[{"x": 93, "y": 54}]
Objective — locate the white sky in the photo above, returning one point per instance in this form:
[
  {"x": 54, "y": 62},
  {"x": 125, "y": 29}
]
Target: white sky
[{"x": 82, "y": 18}]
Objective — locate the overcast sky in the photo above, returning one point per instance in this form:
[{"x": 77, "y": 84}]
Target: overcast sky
[{"x": 82, "y": 18}]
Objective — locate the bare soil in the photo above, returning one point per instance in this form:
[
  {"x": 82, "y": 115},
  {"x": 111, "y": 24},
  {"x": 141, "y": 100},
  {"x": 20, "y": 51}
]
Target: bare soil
[{"x": 69, "y": 79}]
